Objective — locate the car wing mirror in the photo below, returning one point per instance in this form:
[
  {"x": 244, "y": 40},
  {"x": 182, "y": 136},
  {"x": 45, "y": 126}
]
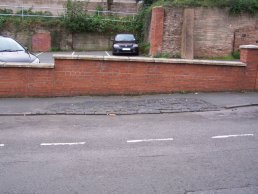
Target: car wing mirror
[{"x": 26, "y": 49}]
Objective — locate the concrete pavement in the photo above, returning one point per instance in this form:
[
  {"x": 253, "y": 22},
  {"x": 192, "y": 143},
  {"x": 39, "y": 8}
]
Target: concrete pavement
[{"x": 126, "y": 105}]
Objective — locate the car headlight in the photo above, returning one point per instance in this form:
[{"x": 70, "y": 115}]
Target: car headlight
[
  {"x": 135, "y": 45},
  {"x": 116, "y": 46},
  {"x": 36, "y": 61}
]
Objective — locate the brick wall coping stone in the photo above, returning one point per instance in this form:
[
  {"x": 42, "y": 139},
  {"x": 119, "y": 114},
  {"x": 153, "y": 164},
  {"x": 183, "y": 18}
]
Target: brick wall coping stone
[
  {"x": 28, "y": 65},
  {"x": 151, "y": 60},
  {"x": 249, "y": 47}
]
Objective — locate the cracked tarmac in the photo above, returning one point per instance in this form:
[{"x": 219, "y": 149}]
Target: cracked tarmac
[{"x": 127, "y": 105}]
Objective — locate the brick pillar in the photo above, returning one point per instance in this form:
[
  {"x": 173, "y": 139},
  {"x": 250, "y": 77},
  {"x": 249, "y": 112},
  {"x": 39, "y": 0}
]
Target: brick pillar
[
  {"x": 187, "y": 47},
  {"x": 41, "y": 42},
  {"x": 249, "y": 55},
  {"x": 156, "y": 30}
]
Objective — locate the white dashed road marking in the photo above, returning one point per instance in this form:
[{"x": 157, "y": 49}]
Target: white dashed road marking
[
  {"x": 228, "y": 136},
  {"x": 1, "y": 145},
  {"x": 149, "y": 140},
  {"x": 62, "y": 144},
  {"x": 73, "y": 53}
]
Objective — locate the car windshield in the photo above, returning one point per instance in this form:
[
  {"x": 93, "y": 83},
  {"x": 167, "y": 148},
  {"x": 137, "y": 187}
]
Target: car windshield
[
  {"x": 125, "y": 37},
  {"x": 9, "y": 45}
]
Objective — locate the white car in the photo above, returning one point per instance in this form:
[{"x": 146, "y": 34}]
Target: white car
[{"x": 12, "y": 51}]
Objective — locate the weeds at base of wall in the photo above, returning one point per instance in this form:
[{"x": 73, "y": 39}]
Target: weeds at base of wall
[
  {"x": 167, "y": 55},
  {"x": 144, "y": 48},
  {"x": 234, "y": 56},
  {"x": 55, "y": 49}
]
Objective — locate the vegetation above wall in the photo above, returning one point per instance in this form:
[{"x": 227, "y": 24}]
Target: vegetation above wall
[
  {"x": 79, "y": 20},
  {"x": 234, "y": 6},
  {"x": 76, "y": 19}
]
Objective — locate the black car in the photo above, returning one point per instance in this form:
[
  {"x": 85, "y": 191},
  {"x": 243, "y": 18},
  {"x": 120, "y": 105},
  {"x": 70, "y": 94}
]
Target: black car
[
  {"x": 125, "y": 44},
  {"x": 12, "y": 51}
]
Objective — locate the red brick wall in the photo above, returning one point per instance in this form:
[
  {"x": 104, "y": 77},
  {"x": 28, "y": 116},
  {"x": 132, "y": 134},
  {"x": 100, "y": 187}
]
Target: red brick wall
[
  {"x": 20, "y": 82},
  {"x": 72, "y": 77},
  {"x": 214, "y": 31},
  {"x": 250, "y": 56}
]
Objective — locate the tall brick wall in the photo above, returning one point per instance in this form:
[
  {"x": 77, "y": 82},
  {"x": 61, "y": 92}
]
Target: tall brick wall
[
  {"x": 56, "y": 6},
  {"x": 215, "y": 31},
  {"x": 99, "y": 76},
  {"x": 246, "y": 35},
  {"x": 214, "y": 35}
]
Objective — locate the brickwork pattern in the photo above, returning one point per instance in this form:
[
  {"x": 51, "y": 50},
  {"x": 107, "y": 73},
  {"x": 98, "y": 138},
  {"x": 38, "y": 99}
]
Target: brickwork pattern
[
  {"x": 72, "y": 77},
  {"x": 173, "y": 24},
  {"x": 213, "y": 35},
  {"x": 156, "y": 30},
  {"x": 124, "y": 7},
  {"x": 58, "y": 5},
  {"x": 246, "y": 35}
]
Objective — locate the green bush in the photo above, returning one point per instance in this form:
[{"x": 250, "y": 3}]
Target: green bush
[
  {"x": 236, "y": 55},
  {"x": 6, "y": 11},
  {"x": 244, "y": 6},
  {"x": 2, "y": 22},
  {"x": 144, "y": 48},
  {"x": 77, "y": 20},
  {"x": 163, "y": 55}
]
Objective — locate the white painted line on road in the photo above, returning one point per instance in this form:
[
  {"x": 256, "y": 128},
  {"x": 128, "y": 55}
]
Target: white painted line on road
[
  {"x": 107, "y": 53},
  {"x": 73, "y": 53},
  {"x": 148, "y": 140},
  {"x": 1, "y": 145},
  {"x": 228, "y": 136},
  {"x": 60, "y": 144},
  {"x": 39, "y": 53}
]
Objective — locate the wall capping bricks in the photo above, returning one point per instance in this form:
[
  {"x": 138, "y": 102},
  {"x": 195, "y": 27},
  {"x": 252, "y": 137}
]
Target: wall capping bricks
[
  {"x": 152, "y": 60},
  {"x": 28, "y": 65},
  {"x": 248, "y": 47}
]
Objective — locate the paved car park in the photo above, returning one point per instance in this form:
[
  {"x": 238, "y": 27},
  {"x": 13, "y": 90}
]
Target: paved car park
[{"x": 47, "y": 57}]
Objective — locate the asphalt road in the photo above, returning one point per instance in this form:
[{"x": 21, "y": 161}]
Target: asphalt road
[{"x": 186, "y": 153}]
